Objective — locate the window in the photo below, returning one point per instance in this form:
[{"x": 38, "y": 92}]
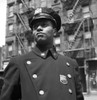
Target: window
[
  {"x": 55, "y": 2},
  {"x": 88, "y": 24},
  {"x": 19, "y": 50},
  {"x": 21, "y": 28},
  {"x": 32, "y": 4},
  {"x": 11, "y": 28},
  {"x": 70, "y": 16},
  {"x": 5, "y": 64},
  {"x": 43, "y": 3},
  {"x": 10, "y": 49},
  {"x": 86, "y": 12},
  {"x": 71, "y": 38},
  {"x": 57, "y": 41},
  {"x": 58, "y": 47},
  {"x": 10, "y": 11},
  {"x": 95, "y": 23},
  {"x": 87, "y": 35},
  {"x": 94, "y": 9},
  {"x": 11, "y": 1},
  {"x": 86, "y": 15},
  {"x": 20, "y": 8},
  {"x": 85, "y": 9}
]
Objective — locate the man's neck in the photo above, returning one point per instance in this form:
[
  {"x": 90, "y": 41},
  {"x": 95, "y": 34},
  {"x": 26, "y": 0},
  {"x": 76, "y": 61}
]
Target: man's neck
[{"x": 44, "y": 48}]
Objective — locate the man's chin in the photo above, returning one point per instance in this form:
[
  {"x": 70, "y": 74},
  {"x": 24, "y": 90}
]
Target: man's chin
[{"x": 41, "y": 41}]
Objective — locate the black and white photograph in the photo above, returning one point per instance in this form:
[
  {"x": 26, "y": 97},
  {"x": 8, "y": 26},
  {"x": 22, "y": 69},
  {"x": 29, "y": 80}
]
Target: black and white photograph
[{"x": 48, "y": 49}]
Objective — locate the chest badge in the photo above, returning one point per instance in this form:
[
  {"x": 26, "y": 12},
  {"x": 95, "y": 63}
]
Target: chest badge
[{"x": 63, "y": 79}]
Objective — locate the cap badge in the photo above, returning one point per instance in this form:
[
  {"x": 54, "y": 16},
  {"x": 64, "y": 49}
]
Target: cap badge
[
  {"x": 38, "y": 10},
  {"x": 63, "y": 79}
]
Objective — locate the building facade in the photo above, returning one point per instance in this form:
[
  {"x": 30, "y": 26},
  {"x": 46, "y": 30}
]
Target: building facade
[
  {"x": 77, "y": 37},
  {"x": 2, "y": 54},
  {"x": 0, "y": 58}
]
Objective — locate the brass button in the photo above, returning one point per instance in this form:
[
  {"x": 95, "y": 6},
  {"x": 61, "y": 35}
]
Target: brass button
[
  {"x": 41, "y": 92},
  {"x": 70, "y": 91},
  {"x": 69, "y": 75},
  {"x": 42, "y": 54},
  {"x": 28, "y": 62},
  {"x": 67, "y": 64},
  {"x": 34, "y": 76}
]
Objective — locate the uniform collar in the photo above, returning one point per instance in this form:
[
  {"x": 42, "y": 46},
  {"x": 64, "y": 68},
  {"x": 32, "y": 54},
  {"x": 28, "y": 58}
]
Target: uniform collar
[{"x": 52, "y": 52}]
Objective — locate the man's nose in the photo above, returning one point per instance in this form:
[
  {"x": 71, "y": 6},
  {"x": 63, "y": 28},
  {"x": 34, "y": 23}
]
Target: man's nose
[{"x": 39, "y": 28}]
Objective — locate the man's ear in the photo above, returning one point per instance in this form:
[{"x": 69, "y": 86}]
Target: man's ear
[{"x": 54, "y": 31}]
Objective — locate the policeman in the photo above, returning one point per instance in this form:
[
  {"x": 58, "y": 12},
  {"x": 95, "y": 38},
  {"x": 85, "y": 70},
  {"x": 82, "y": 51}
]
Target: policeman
[{"x": 42, "y": 74}]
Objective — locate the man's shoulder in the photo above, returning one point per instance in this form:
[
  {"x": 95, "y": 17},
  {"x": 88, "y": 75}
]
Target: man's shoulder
[
  {"x": 67, "y": 59},
  {"x": 22, "y": 57}
]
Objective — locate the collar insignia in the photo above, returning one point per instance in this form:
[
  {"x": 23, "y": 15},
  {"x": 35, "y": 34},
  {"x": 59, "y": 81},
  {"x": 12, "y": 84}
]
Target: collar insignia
[{"x": 63, "y": 79}]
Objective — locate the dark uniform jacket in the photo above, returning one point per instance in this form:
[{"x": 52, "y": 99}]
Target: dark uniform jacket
[{"x": 42, "y": 76}]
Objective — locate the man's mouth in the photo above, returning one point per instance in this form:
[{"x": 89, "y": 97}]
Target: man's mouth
[{"x": 40, "y": 35}]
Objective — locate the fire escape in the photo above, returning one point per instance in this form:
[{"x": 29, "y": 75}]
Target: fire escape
[
  {"x": 26, "y": 28},
  {"x": 77, "y": 29},
  {"x": 78, "y": 32}
]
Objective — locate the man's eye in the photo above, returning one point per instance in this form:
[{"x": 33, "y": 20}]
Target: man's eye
[
  {"x": 35, "y": 26},
  {"x": 44, "y": 25},
  {"x": 40, "y": 24}
]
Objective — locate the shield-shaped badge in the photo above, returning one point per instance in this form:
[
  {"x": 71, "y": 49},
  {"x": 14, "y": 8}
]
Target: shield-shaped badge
[
  {"x": 63, "y": 79},
  {"x": 38, "y": 10}
]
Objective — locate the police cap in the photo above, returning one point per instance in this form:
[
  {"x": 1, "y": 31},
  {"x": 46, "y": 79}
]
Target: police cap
[{"x": 45, "y": 13}]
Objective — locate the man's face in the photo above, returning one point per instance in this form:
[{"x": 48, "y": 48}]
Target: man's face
[{"x": 43, "y": 31}]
